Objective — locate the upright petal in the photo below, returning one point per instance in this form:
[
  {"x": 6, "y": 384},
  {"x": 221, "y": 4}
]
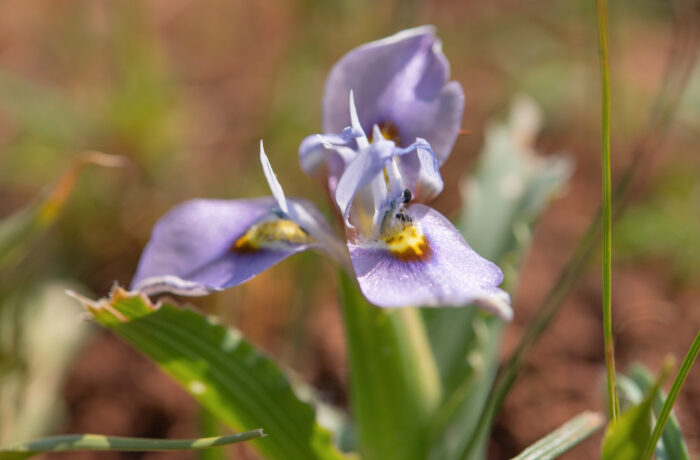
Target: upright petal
[
  {"x": 207, "y": 245},
  {"x": 438, "y": 268},
  {"x": 399, "y": 83}
]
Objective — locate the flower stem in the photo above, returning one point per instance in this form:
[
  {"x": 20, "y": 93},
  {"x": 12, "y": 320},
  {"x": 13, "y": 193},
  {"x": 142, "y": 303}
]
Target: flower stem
[{"x": 613, "y": 404}]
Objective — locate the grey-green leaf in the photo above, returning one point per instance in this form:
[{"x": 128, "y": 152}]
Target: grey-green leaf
[
  {"x": 39, "y": 337},
  {"x": 502, "y": 200},
  {"x": 563, "y": 438}
]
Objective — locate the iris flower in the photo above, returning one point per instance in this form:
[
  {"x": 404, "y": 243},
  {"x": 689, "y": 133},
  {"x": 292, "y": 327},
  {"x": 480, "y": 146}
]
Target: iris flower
[{"x": 402, "y": 252}]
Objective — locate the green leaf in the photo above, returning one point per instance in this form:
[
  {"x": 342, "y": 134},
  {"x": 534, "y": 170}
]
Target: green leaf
[
  {"x": 564, "y": 438},
  {"x": 394, "y": 383},
  {"x": 509, "y": 190},
  {"x": 678, "y": 382},
  {"x": 73, "y": 442},
  {"x": 19, "y": 230},
  {"x": 242, "y": 387},
  {"x": 626, "y": 437},
  {"x": 639, "y": 381}
]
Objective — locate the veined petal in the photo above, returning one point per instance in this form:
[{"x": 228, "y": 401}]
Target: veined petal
[
  {"x": 399, "y": 81},
  {"x": 437, "y": 268},
  {"x": 207, "y": 245},
  {"x": 438, "y": 121}
]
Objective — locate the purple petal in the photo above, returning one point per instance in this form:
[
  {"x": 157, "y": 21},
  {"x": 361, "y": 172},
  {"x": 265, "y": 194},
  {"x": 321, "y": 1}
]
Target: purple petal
[
  {"x": 450, "y": 273},
  {"x": 191, "y": 248},
  {"x": 324, "y": 157},
  {"x": 400, "y": 80}
]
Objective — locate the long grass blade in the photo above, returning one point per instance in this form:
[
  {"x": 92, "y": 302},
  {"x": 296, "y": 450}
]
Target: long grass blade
[
  {"x": 672, "y": 395},
  {"x": 73, "y": 442},
  {"x": 613, "y": 404}
]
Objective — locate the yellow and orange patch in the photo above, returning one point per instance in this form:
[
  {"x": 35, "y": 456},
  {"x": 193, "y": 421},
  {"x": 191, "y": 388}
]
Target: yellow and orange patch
[
  {"x": 408, "y": 244},
  {"x": 272, "y": 234}
]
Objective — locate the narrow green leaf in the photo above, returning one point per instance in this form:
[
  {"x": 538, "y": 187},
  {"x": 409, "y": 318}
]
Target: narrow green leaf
[
  {"x": 74, "y": 442},
  {"x": 394, "y": 383},
  {"x": 239, "y": 385},
  {"x": 626, "y": 437},
  {"x": 671, "y": 446},
  {"x": 563, "y": 438},
  {"x": 19, "y": 230},
  {"x": 678, "y": 382}
]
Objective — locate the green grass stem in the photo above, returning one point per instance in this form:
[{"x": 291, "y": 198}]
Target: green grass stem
[
  {"x": 671, "y": 398},
  {"x": 613, "y": 403}
]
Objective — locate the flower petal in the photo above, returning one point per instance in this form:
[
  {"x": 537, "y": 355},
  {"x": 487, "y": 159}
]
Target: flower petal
[
  {"x": 191, "y": 251},
  {"x": 399, "y": 80},
  {"x": 325, "y": 156},
  {"x": 450, "y": 273},
  {"x": 438, "y": 121}
]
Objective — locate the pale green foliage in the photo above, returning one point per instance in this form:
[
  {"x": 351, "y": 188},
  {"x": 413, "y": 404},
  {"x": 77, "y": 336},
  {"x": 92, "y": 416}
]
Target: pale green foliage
[
  {"x": 40, "y": 334},
  {"x": 563, "y": 438},
  {"x": 502, "y": 200}
]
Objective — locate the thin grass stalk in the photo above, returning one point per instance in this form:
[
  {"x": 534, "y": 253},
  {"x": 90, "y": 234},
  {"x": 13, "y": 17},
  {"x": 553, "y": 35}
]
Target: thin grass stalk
[
  {"x": 671, "y": 398},
  {"x": 613, "y": 403}
]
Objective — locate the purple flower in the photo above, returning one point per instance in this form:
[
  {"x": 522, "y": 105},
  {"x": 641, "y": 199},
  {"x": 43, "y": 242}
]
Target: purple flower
[{"x": 403, "y": 252}]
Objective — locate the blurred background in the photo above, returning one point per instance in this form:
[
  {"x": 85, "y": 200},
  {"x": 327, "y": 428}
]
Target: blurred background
[{"x": 185, "y": 90}]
